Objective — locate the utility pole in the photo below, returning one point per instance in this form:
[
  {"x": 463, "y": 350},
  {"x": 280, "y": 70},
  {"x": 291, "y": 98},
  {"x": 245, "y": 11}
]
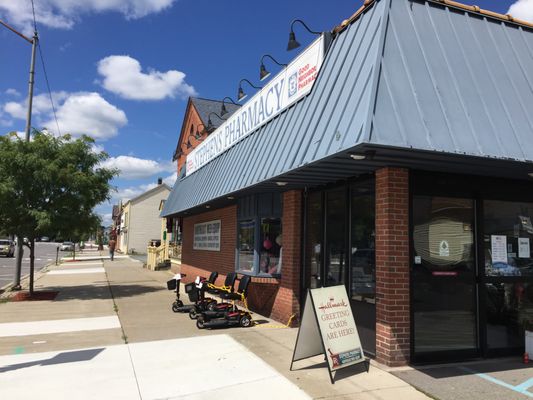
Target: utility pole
[{"x": 34, "y": 42}]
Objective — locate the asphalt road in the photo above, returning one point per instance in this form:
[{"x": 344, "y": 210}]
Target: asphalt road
[{"x": 45, "y": 253}]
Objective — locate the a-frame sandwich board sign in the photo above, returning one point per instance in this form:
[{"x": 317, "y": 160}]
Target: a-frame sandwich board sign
[{"x": 328, "y": 327}]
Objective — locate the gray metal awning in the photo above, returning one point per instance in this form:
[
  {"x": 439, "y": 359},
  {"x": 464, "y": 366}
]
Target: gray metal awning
[{"x": 421, "y": 84}]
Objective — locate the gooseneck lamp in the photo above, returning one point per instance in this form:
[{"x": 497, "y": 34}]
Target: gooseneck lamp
[
  {"x": 223, "y": 110},
  {"x": 210, "y": 123},
  {"x": 240, "y": 94},
  {"x": 263, "y": 73},
  {"x": 293, "y": 43}
]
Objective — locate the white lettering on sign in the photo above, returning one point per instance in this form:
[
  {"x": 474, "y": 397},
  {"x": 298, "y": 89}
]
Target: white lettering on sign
[
  {"x": 287, "y": 87},
  {"x": 207, "y": 236}
]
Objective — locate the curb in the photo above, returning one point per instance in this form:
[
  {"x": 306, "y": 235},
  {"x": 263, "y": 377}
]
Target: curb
[{"x": 24, "y": 280}]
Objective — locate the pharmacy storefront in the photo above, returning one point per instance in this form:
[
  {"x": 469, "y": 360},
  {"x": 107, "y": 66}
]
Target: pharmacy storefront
[{"x": 379, "y": 160}]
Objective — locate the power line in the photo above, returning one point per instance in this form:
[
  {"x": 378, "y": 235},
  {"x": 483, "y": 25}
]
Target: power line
[
  {"x": 44, "y": 68},
  {"x": 49, "y": 91}
]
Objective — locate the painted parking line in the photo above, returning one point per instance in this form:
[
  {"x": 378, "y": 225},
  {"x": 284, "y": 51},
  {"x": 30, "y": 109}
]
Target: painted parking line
[
  {"x": 100, "y": 270},
  {"x": 523, "y": 388},
  {"x": 58, "y": 325}
]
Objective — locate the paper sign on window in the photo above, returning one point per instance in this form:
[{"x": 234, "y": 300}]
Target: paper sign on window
[
  {"x": 524, "y": 250},
  {"x": 499, "y": 248}
]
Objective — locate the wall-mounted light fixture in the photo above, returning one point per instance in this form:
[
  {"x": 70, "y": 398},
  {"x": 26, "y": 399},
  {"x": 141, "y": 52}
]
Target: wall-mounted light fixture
[
  {"x": 240, "y": 94},
  {"x": 263, "y": 73},
  {"x": 367, "y": 155},
  {"x": 279, "y": 183},
  {"x": 210, "y": 123},
  {"x": 293, "y": 43},
  {"x": 223, "y": 110}
]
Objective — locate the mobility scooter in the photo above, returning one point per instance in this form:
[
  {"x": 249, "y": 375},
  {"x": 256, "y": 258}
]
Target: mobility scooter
[
  {"x": 195, "y": 290},
  {"x": 231, "y": 316},
  {"x": 174, "y": 284},
  {"x": 228, "y": 287}
]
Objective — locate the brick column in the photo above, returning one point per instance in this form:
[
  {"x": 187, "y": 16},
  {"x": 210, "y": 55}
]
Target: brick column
[
  {"x": 392, "y": 267},
  {"x": 286, "y": 302}
]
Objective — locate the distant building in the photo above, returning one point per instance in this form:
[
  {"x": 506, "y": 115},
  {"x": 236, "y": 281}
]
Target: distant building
[{"x": 140, "y": 221}]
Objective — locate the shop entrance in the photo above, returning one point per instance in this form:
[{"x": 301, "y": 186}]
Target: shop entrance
[
  {"x": 472, "y": 273},
  {"x": 340, "y": 233}
]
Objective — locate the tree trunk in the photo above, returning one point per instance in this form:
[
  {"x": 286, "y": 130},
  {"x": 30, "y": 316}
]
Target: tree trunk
[
  {"x": 32, "y": 264},
  {"x": 74, "y": 252},
  {"x": 18, "y": 263}
]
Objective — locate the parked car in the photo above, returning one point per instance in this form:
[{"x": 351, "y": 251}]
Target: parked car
[
  {"x": 7, "y": 247},
  {"x": 67, "y": 246},
  {"x": 45, "y": 239}
]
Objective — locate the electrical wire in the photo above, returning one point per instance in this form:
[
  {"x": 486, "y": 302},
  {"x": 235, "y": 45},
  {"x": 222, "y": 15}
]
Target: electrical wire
[{"x": 44, "y": 68}]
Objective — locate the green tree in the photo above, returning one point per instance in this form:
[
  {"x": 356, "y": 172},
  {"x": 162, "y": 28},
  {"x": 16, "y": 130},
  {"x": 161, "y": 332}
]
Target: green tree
[{"x": 51, "y": 185}]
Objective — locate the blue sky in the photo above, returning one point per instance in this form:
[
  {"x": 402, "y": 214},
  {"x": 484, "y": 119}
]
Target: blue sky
[{"x": 121, "y": 70}]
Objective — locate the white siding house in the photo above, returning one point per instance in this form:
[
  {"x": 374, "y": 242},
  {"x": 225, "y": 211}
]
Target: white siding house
[{"x": 141, "y": 221}]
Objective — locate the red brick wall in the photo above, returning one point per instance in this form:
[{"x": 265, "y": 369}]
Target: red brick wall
[
  {"x": 392, "y": 266},
  {"x": 222, "y": 261},
  {"x": 274, "y": 298},
  {"x": 191, "y": 119},
  {"x": 286, "y": 302}
]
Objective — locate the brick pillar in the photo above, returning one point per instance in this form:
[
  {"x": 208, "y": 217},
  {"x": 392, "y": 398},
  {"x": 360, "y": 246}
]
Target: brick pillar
[
  {"x": 392, "y": 267},
  {"x": 286, "y": 302}
]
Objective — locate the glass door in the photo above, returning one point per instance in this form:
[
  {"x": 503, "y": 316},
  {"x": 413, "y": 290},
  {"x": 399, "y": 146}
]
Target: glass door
[
  {"x": 335, "y": 237},
  {"x": 444, "y": 293},
  {"x": 507, "y": 276}
]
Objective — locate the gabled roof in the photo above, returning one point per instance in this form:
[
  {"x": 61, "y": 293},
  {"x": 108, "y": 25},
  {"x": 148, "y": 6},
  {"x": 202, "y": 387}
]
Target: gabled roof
[
  {"x": 430, "y": 84},
  {"x": 150, "y": 192},
  {"x": 206, "y": 106}
]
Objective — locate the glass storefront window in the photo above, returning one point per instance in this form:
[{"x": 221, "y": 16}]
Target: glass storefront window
[
  {"x": 508, "y": 238},
  {"x": 270, "y": 246},
  {"x": 335, "y": 236},
  {"x": 313, "y": 245},
  {"x": 246, "y": 245},
  {"x": 363, "y": 254},
  {"x": 509, "y": 312}
]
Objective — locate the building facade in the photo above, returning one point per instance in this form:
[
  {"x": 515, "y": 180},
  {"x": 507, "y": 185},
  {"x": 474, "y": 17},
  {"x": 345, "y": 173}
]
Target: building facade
[
  {"x": 405, "y": 173},
  {"x": 141, "y": 221}
]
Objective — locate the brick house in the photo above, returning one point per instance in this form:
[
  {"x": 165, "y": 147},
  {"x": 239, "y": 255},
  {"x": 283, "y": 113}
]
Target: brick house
[{"x": 400, "y": 165}]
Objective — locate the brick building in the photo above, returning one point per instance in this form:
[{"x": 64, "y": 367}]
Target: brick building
[{"x": 392, "y": 156}]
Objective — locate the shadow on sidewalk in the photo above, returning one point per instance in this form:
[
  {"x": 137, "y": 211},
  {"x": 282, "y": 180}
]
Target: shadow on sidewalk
[
  {"x": 61, "y": 358},
  {"x": 101, "y": 291}
]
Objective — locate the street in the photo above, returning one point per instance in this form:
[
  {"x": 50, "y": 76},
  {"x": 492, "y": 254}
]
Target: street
[{"x": 45, "y": 253}]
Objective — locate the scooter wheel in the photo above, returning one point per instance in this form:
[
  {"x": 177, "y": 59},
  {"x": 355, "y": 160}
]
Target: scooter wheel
[
  {"x": 193, "y": 314},
  {"x": 212, "y": 305},
  {"x": 200, "y": 323},
  {"x": 245, "y": 321},
  {"x": 175, "y": 307}
]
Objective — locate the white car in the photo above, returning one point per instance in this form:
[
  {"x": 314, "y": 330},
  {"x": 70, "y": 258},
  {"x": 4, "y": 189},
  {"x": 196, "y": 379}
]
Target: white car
[{"x": 67, "y": 246}]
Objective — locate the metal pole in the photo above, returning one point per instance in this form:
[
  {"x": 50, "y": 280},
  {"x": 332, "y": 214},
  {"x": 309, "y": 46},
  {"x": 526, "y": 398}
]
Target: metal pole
[
  {"x": 18, "y": 262},
  {"x": 30, "y": 88}
]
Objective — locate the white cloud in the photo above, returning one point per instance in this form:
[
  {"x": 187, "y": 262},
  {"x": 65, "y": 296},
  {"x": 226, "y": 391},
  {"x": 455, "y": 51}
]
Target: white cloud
[
  {"x": 522, "y": 9},
  {"x": 171, "y": 179},
  {"x": 89, "y": 114},
  {"x": 12, "y": 92},
  {"x": 137, "y": 168},
  {"x": 65, "y": 13},
  {"x": 128, "y": 193},
  {"x": 123, "y": 76},
  {"x": 106, "y": 219},
  {"x": 77, "y": 113}
]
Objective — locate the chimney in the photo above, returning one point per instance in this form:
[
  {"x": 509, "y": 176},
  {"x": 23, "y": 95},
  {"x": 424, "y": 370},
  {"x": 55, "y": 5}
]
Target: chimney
[{"x": 159, "y": 181}]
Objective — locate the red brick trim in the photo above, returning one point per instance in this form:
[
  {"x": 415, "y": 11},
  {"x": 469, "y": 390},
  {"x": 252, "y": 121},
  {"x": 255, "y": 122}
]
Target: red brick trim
[{"x": 392, "y": 267}]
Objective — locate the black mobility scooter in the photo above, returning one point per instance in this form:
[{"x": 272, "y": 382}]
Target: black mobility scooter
[
  {"x": 195, "y": 290},
  {"x": 174, "y": 284},
  {"x": 231, "y": 316},
  {"x": 228, "y": 287}
]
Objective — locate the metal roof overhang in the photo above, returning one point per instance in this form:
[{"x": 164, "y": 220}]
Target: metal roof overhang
[{"x": 341, "y": 167}]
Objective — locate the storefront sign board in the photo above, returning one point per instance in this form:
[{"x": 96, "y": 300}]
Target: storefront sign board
[
  {"x": 328, "y": 327},
  {"x": 207, "y": 236},
  {"x": 287, "y": 87}
]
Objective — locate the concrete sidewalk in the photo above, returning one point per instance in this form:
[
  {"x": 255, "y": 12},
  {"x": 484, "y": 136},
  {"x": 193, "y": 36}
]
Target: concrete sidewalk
[{"x": 76, "y": 346}]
